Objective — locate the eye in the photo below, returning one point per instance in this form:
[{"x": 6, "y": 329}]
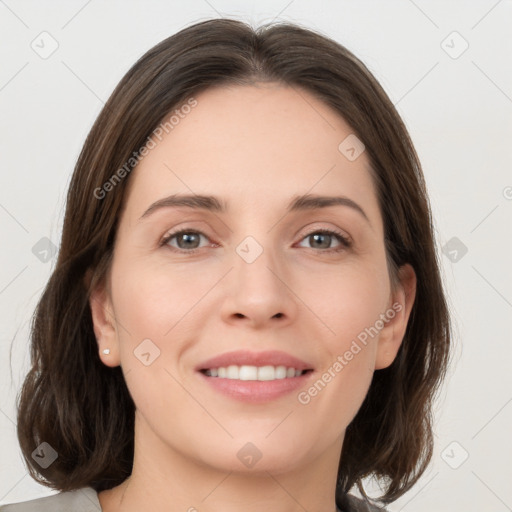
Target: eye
[
  {"x": 322, "y": 238},
  {"x": 187, "y": 240}
]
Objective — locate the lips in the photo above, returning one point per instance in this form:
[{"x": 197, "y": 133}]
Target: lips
[
  {"x": 252, "y": 391},
  {"x": 233, "y": 375},
  {"x": 247, "y": 358}
]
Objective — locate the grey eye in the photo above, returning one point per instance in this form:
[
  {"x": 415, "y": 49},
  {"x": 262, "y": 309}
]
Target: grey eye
[{"x": 185, "y": 239}]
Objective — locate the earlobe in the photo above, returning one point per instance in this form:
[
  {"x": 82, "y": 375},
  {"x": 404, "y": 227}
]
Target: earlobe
[
  {"x": 402, "y": 300},
  {"x": 104, "y": 326}
]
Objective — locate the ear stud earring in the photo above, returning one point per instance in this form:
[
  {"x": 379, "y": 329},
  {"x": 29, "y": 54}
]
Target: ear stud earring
[{"x": 106, "y": 351}]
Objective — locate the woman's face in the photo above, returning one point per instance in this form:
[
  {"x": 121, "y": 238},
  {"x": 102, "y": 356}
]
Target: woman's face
[{"x": 258, "y": 275}]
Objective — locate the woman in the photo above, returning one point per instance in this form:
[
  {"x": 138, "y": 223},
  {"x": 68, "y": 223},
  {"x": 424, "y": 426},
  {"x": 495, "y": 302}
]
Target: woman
[{"x": 295, "y": 346}]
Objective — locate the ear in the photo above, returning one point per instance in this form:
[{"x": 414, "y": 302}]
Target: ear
[
  {"x": 104, "y": 325},
  {"x": 397, "y": 316}
]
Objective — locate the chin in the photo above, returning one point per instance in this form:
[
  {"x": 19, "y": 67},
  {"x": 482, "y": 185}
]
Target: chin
[{"x": 254, "y": 455}]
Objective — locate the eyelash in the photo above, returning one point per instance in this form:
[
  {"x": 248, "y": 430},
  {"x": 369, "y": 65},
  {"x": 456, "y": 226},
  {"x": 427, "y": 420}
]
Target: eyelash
[{"x": 345, "y": 242}]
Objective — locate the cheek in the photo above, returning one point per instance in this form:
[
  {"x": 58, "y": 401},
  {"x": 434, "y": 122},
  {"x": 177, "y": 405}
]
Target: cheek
[
  {"x": 150, "y": 300},
  {"x": 152, "y": 306},
  {"x": 348, "y": 350},
  {"x": 350, "y": 303}
]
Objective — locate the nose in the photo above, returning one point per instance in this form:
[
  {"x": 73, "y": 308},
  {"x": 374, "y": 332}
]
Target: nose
[{"x": 258, "y": 293}]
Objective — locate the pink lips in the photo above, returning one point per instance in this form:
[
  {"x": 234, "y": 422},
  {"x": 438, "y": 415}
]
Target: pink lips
[
  {"x": 245, "y": 357},
  {"x": 255, "y": 392}
]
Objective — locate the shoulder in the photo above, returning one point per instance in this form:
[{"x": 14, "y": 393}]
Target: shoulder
[
  {"x": 352, "y": 503},
  {"x": 81, "y": 500}
]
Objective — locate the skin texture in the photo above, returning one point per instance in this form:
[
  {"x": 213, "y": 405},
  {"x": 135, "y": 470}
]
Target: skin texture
[{"x": 254, "y": 147}]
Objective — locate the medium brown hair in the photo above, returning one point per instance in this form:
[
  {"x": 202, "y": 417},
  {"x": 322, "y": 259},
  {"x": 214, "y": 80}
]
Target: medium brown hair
[{"x": 82, "y": 408}]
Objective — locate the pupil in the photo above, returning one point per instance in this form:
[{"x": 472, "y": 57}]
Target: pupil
[
  {"x": 320, "y": 236},
  {"x": 187, "y": 237}
]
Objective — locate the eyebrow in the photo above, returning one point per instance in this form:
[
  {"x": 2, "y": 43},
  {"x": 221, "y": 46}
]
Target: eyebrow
[{"x": 214, "y": 204}]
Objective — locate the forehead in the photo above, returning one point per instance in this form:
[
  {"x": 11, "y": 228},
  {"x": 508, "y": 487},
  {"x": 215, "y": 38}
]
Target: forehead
[{"x": 248, "y": 143}]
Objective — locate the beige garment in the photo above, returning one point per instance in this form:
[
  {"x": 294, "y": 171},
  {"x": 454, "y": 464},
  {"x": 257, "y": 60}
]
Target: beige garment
[{"x": 81, "y": 500}]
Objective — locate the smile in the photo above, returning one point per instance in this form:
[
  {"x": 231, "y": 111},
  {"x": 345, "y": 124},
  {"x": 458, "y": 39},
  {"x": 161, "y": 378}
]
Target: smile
[{"x": 259, "y": 373}]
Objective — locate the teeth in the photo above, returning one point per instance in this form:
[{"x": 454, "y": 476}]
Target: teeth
[{"x": 254, "y": 372}]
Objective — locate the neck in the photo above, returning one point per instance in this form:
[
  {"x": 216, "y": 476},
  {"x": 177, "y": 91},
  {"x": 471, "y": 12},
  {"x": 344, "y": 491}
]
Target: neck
[{"x": 164, "y": 479}]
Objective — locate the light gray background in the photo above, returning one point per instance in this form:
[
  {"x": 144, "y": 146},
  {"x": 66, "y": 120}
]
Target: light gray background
[{"x": 458, "y": 111}]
